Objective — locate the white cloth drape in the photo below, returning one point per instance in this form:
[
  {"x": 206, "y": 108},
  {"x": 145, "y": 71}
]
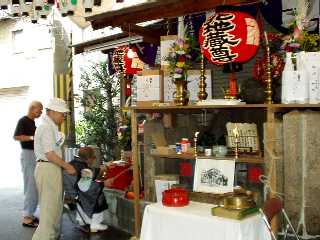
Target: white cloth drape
[{"x": 195, "y": 222}]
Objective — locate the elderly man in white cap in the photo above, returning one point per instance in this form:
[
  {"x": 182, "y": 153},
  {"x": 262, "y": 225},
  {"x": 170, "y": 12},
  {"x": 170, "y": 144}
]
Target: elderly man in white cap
[{"x": 47, "y": 145}]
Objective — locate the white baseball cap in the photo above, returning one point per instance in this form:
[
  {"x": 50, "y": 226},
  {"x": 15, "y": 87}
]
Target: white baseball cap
[{"x": 58, "y": 105}]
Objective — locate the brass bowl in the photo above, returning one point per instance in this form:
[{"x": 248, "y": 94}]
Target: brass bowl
[{"x": 238, "y": 202}]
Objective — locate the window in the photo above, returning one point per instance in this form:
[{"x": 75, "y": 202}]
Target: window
[{"x": 18, "y": 41}]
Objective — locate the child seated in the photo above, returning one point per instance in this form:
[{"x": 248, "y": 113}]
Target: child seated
[{"x": 86, "y": 190}]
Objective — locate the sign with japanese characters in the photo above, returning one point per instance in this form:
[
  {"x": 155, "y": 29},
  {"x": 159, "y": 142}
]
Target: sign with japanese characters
[
  {"x": 229, "y": 36},
  {"x": 126, "y": 60}
]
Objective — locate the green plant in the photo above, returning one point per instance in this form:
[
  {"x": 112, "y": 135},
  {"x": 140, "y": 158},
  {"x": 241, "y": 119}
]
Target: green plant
[{"x": 99, "y": 124}]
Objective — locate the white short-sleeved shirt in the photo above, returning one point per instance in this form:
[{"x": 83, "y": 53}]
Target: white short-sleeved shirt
[{"x": 47, "y": 138}]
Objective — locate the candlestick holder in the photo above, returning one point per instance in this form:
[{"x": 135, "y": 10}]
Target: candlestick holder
[
  {"x": 236, "y": 150},
  {"x": 202, "y": 94},
  {"x": 268, "y": 90}
]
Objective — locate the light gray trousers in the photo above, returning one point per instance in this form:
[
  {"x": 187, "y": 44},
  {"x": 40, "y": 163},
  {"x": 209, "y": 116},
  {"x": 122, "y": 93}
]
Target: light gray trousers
[{"x": 28, "y": 164}]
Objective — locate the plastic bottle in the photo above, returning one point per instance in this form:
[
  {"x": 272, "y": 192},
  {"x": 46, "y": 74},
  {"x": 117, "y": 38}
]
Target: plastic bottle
[{"x": 185, "y": 144}]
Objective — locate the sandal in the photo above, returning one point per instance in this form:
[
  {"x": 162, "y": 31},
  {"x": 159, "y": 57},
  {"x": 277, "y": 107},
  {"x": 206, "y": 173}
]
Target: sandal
[
  {"x": 30, "y": 224},
  {"x": 36, "y": 220}
]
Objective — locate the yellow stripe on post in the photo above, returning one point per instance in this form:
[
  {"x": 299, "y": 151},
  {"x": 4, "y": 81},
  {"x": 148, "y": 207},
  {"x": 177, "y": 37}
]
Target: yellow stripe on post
[
  {"x": 61, "y": 95},
  {"x": 55, "y": 87}
]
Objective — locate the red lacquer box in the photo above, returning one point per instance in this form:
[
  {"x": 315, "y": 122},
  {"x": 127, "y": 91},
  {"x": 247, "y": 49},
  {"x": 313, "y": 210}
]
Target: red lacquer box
[{"x": 175, "y": 197}]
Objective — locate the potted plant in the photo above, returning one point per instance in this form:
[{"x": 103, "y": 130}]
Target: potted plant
[{"x": 99, "y": 124}]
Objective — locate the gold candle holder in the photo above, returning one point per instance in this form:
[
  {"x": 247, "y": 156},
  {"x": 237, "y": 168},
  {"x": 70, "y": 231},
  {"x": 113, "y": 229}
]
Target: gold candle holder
[
  {"x": 195, "y": 139},
  {"x": 236, "y": 150},
  {"x": 268, "y": 90},
  {"x": 202, "y": 94}
]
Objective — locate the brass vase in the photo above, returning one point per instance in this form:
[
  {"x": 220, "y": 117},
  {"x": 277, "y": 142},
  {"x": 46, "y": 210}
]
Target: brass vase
[{"x": 181, "y": 95}]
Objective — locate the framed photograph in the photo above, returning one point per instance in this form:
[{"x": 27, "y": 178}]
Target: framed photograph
[{"x": 214, "y": 176}]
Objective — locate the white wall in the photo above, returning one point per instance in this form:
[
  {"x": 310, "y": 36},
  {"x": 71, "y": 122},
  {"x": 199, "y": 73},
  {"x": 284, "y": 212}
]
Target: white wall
[{"x": 32, "y": 65}]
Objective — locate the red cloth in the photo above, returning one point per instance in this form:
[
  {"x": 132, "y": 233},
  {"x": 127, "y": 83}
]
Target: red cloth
[
  {"x": 124, "y": 179},
  {"x": 185, "y": 169}
]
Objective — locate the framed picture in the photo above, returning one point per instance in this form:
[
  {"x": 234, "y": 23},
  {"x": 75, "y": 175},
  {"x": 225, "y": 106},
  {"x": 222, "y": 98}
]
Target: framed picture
[
  {"x": 149, "y": 87},
  {"x": 214, "y": 176}
]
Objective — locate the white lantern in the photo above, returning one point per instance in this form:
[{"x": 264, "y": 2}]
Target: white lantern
[
  {"x": 70, "y": 8},
  {"x": 25, "y": 8},
  {"x": 15, "y": 2},
  {"x": 88, "y": 4},
  {"x": 34, "y": 16},
  {"x": 4, "y": 4},
  {"x": 45, "y": 11},
  {"x": 63, "y": 11},
  {"x": 50, "y": 2},
  {"x": 38, "y": 4},
  {"x": 15, "y": 10}
]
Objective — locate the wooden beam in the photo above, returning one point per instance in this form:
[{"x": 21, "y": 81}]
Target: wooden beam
[
  {"x": 136, "y": 173},
  {"x": 149, "y": 35},
  {"x": 157, "y": 10}
]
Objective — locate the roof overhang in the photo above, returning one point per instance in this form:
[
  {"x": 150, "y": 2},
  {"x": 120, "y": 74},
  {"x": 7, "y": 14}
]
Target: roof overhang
[{"x": 156, "y": 10}]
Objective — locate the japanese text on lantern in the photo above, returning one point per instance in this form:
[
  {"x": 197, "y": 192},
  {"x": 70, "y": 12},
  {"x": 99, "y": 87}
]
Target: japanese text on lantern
[
  {"x": 118, "y": 59},
  {"x": 217, "y": 37}
]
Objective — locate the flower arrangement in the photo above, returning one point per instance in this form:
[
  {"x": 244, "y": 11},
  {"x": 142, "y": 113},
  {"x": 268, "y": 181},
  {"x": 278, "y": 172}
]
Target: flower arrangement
[
  {"x": 180, "y": 59},
  {"x": 300, "y": 40}
]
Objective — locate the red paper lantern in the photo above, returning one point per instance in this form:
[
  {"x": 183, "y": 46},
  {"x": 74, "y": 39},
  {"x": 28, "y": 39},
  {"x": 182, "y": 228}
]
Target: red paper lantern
[
  {"x": 229, "y": 36},
  {"x": 126, "y": 63}
]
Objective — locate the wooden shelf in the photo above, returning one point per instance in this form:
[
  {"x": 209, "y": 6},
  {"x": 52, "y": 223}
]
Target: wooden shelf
[
  {"x": 246, "y": 159},
  {"x": 194, "y": 107}
]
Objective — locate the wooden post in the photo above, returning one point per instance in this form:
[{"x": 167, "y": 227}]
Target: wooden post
[
  {"x": 270, "y": 145},
  {"x": 136, "y": 175}
]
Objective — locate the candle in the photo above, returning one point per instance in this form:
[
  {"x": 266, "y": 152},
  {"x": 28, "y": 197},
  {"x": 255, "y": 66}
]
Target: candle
[
  {"x": 266, "y": 37},
  {"x": 235, "y": 132}
]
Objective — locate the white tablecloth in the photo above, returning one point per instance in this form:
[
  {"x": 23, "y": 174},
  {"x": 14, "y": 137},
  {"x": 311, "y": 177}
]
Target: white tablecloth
[{"x": 195, "y": 222}]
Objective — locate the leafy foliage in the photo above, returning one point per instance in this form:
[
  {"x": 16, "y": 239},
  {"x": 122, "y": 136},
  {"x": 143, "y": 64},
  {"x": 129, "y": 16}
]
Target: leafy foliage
[{"x": 99, "y": 124}]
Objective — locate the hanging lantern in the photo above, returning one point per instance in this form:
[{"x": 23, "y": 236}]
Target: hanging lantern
[
  {"x": 15, "y": 2},
  {"x": 126, "y": 64},
  {"x": 34, "y": 17},
  {"x": 63, "y": 8},
  {"x": 71, "y": 7},
  {"x": 50, "y": 2},
  {"x": 4, "y": 4},
  {"x": 63, "y": 11},
  {"x": 97, "y": 3},
  {"x": 45, "y": 11},
  {"x": 15, "y": 10},
  {"x": 88, "y": 4},
  {"x": 229, "y": 36},
  {"x": 38, "y": 4},
  {"x": 25, "y": 8}
]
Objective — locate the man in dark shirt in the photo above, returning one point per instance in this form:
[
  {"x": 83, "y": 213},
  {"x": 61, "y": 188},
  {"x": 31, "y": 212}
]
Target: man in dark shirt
[{"x": 24, "y": 133}]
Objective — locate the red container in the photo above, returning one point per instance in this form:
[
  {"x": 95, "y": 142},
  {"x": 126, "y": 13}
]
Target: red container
[
  {"x": 122, "y": 174},
  {"x": 175, "y": 197}
]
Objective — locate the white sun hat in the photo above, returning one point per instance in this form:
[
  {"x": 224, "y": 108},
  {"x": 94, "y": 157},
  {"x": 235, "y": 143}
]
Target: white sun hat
[{"x": 58, "y": 105}]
